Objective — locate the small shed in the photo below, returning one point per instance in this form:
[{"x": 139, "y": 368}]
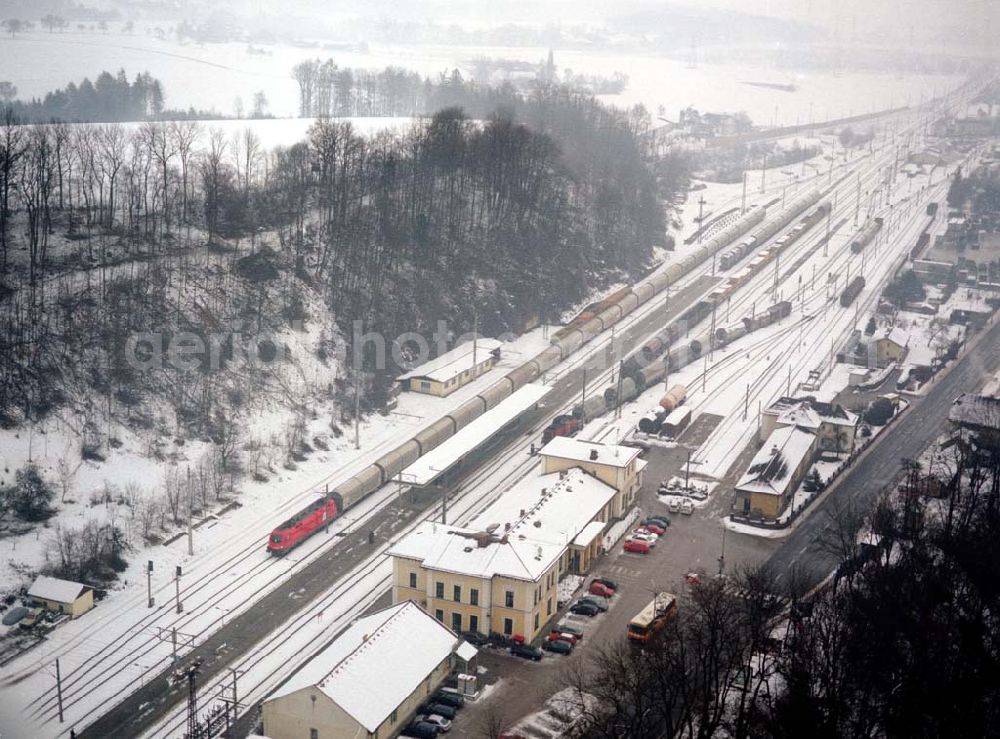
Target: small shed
[{"x": 62, "y": 596}]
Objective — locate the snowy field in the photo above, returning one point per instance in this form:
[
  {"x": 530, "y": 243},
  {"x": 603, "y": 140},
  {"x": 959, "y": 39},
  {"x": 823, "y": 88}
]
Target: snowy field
[{"x": 210, "y": 77}]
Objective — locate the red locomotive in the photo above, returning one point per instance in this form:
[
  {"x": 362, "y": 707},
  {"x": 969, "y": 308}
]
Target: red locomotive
[
  {"x": 305, "y": 523},
  {"x": 561, "y": 426}
]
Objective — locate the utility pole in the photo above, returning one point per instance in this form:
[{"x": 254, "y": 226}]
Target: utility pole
[
  {"x": 149, "y": 584},
  {"x": 190, "y": 515},
  {"x": 743, "y": 204},
  {"x": 687, "y": 471},
  {"x": 191, "y": 674},
  {"x": 826, "y": 242},
  {"x": 788, "y": 387},
  {"x": 711, "y": 335},
  {"x": 763, "y": 171},
  {"x": 857, "y": 206},
  {"x": 722, "y": 555},
  {"x": 475, "y": 336},
  {"x": 746, "y": 402},
  {"x": 701, "y": 218},
  {"x": 618, "y": 408},
  {"x": 666, "y": 371},
  {"x": 177, "y": 584},
  {"x": 704, "y": 375},
  {"x": 59, "y": 690},
  {"x": 357, "y": 409},
  {"x": 583, "y": 398}
]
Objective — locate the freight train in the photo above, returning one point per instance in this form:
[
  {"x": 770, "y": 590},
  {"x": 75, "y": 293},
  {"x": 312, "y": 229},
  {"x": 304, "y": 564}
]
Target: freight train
[
  {"x": 563, "y": 343},
  {"x": 851, "y": 291},
  {"x": 733, "y": 257},
  {"x": 564, "y": 425},
  {"x": 865, "y": 235},
  {"x": 635, "y": 382}
]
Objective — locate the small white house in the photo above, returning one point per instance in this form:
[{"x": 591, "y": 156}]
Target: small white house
[{"x": 62, "y": 596}]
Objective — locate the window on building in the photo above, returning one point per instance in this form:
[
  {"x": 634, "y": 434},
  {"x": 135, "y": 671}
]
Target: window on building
[
  {"x": 392, "y": 717},
  {"x": 439, "y": 615},
  {"x": 535, "y": 597},
  {"x": 313, "y": 733},
  {"x": 474, "y": 597},
  {"x": 413, "y": 579},
  {"x": 425, "y": 386},
  {"x": 439, "y": 590},
  {"x": 457, "y": 592},
  {"x": 548, "y": 608},
  {"x": 473, "y": 623},
  {"x": 508, "y": 599},
  {"x": 456, "y": 621},
  {"x": 508, "y": 626},
  {"x": 536, "y": 622}
]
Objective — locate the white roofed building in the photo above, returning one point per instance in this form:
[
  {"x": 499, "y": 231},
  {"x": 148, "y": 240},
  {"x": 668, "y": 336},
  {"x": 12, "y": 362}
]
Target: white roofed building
[
  {"x": 448, "y": 372},
  {"x": 835, "y": 426},
  {"x": 369, "y": 682},
  {"x": 770, "y": 481},
  {"x": 62, "y": 596},
  {"x": 499, "y": 573},
  {"x": 618, "y": 466}
]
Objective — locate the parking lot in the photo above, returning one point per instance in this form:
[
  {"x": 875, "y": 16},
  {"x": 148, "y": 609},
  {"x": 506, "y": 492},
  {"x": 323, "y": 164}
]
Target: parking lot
[{"x": 517, "y": 687}]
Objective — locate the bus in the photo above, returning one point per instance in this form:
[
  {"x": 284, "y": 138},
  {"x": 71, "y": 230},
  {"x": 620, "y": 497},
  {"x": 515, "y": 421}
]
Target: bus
[{"x": 651, "y": 619}]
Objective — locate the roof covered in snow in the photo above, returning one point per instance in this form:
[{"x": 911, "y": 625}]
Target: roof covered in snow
[
  {"x": 427, "y": 468},
  {"x": 372, "y": 667},
  {"x": 520, "y": 536},
  {"x": 975, "y": 410},
  {"x": 773, "y": 467},
  {"x": 588, "y": 533},
  {"x": 54, "y": 589},
  {"x": 579, "y": 450},
  {"x": 898, "y": 336},
  {"x": 466, "y": 651},
  {"x": 454, "y": 362},
  {"x": 810, "y": 413},
  {"x": 801, "y": 415}
]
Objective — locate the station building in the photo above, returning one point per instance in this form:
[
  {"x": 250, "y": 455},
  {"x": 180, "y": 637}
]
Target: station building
[
  {"x": 448, "y": 372},
  {"x": 767, "y": 487},
  {"x": 500, "y": 573}
]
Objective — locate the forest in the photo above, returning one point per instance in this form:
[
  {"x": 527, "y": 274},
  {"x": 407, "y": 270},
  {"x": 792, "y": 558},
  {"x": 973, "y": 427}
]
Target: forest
[{"x": 108, "y": 230}]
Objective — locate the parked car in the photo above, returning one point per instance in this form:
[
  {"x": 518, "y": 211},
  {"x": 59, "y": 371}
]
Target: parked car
[
  {"x": 562, "y": 636},
  {"x": 601, "y": 603},
  {"x": 14, "y": 615},
  {"x": 558, "y": 646},
  {"x": 687, "y": 507},
  {"x": 636, "y": 546},
  {"x": 475, "y": 638},
  {"x": 452, "y": 700},
  {"x": 599, "y": 588},
  {"x": 653, "y": 528},
  {"x": 661, "y": 521},
  {"x": 646, "y": 537},
  {"x": 35, "y": 616},
  {"x": 433, "y": 706},
  {"x": 565, "y": 628},
  {"x": 527, "y": 652},
  {"x": 443, "y": 724},
  {"x": 422, "y": 730},
  {"x": 582, "y": 608},
  {"x": 607, "y": 582},
  {"x": 673, "y": 505}
]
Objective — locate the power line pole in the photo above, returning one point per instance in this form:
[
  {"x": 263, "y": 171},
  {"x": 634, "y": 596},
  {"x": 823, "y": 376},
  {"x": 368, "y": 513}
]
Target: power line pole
[
  {"x": 177, "y": 583},
  {"x": 743, "y": 204},
  {"x": 149, "y": 584},
  {"x": 190, "y": 515},
  {"x": 701, "y": 217},
  {"x": 583, "y": 398},
  {"x": 59, "y": 690},
  {"x": 357, "y": 409}
]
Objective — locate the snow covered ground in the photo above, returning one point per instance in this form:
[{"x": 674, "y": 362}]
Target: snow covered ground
[{"x": 212, "y": 76}]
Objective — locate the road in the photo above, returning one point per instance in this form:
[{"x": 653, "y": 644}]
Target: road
[{"x": 907, "y": 438}]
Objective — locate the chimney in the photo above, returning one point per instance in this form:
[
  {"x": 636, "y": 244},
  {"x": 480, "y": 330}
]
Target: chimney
[
  {"x": 562, "y": 474},
  {"x": 522, "y": 513},
  {"x": 593, "y": 455},
  {"x": 506, "y": 527}
]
